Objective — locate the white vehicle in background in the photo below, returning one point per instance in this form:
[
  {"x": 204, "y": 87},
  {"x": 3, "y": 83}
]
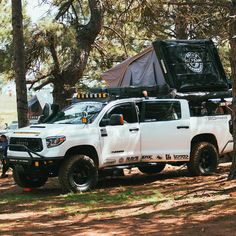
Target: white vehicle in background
[{"x": 9, "y": 128}]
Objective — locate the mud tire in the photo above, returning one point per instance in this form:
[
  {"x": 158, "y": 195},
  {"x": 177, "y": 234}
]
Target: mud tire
[
  {"x": 78, "y": 174},
  {"x": 203, "y": 159}
]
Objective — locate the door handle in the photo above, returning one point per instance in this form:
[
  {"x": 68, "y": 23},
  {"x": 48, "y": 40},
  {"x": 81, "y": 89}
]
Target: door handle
[
  {"x": 134, "y": 129},
  {"x": 104, "y": 132},
  {"x": 183, "y": 127}
]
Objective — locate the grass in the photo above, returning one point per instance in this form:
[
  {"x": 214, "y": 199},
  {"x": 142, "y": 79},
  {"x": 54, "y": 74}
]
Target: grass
[
  {"x": 81, "y": 203},
  {"x": 124, "y": 196},
  {"x": 12, "y": 199}
]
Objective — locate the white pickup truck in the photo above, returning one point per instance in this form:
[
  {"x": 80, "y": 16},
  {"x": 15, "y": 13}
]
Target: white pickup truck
[{"x": 92, "y": 136}]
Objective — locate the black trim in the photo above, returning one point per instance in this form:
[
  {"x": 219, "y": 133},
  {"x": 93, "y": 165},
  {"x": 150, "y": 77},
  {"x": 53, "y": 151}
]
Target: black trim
[{"x": 182, "y": 127}]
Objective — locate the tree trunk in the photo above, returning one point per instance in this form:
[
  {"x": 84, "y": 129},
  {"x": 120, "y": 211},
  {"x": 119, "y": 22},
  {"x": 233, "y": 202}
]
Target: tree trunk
[
  {"x": 86, "y": 35},
  {"x": 62, "y": 94},
  {"x": 181, "y": 23},
  {"x": 232, "y": 174},
  {"x": 19, "y": 63}
]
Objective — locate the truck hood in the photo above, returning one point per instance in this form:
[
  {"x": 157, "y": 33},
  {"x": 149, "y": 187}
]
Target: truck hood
[{"x": 45, "y": 130}]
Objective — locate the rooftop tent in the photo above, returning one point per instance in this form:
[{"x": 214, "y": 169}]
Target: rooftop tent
[
  {"x": 142, "y": 69},
  {"x": 191, "y": 65},
  {"x": 186, "y": 65}
]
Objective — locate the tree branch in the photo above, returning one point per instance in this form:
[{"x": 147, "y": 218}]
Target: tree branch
[
  {"x": 90, "y": 31},
  {"x": 197, "y": 3},
  {"x": 119, "y": 35},
  {"x": 125, "y": 11},
  {"x": 48, "y": 81},
  {"x": 63, "y": 9},
  {"x": 82, "y": 12},
  {"x": 53, "y": 51},
  {"x": 32, "y": 82},
  {"x": 100, "y": 49}
]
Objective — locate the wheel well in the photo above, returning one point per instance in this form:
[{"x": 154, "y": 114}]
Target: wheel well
[
  {"x": 86, "y": 150},
  {"x": 210, "y": 138}
]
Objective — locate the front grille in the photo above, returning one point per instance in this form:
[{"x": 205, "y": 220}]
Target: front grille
[{"x": 34, "y": 144}]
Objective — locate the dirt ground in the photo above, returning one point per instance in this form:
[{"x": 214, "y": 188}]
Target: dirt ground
[{"x": 169, "y": 203}]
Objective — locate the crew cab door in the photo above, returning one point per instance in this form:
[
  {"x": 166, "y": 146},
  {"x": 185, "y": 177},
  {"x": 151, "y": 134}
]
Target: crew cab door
[
  {"x": 165, "y": 130},
  {"x": 120, "y": 143}
]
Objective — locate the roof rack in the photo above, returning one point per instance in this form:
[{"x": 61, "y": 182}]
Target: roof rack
[
  {"x": 127, "y": 92},
  {"x": 153, "y": 91}
]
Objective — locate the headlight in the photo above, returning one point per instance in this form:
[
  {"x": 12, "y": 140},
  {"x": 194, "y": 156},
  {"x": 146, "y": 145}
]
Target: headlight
[{"x": 55, "y": 141}]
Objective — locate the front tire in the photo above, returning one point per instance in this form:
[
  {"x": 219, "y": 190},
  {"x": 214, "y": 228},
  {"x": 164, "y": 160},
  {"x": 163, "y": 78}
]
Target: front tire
[
  {"x": 26, "y": 180},
  {"x": 78, "y": 174},
  {"x": 203, "y": 160},
  {"x": 152, "y": 169}
]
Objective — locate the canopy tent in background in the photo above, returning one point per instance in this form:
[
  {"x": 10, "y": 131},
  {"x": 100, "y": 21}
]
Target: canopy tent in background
[{"x": 37, "y": 103}]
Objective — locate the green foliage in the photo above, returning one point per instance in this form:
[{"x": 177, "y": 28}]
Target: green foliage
[
  {"x": 38, "y": 46},
  {"x": 87, "y": 200},
  {"x": 6, "y": 44},
  {"x": 128, "y": 28},
  {"x": 5, "y": 36},
  {"x": 126, "y": 195}
]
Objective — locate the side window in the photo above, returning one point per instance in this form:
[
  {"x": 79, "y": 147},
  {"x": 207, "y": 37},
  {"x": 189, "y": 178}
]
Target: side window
[
  {"x": 162, "y": 111},
  {"x": 138, "y": 108},
  {"x": 127, "y": 110}
]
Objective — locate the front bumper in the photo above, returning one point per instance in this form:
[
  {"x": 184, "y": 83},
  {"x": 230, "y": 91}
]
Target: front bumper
[{"x": 33, "y": 161}]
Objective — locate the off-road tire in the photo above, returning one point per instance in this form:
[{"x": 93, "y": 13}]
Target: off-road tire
[
  {"x": 152, "y": 169},
  {"x": 26, "y": 180},
  {"x": 203, "y": 159},
  {"x": 78, "y": 174}
]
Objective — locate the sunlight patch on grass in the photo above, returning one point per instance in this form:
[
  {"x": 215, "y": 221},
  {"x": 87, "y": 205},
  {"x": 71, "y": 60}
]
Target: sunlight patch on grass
[
  {"x": 82, "y": 203},
  {"x": 100, "y": 201},
  {"x": 99, "y": 197},
  {"x": 9, "y": 198}
]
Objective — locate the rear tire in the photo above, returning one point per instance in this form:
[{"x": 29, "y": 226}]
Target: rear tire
[
  {"x": 152, "y": 169},
  {"x": 78, "y": 174},
  {"x": 203, "y": 160},
  {"x": 26, "y": 180}
]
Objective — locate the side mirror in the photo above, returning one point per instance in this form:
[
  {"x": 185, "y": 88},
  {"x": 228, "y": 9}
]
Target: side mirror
[
  {"x": 116, "y": 119},
  {"x": 104, "y": 122}
]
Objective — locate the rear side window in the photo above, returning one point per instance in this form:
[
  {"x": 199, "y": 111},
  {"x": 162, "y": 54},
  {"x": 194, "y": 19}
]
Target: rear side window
[{"x": 162, "y": 111}]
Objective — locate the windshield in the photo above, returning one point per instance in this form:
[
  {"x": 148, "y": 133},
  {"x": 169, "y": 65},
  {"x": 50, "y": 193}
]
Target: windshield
[{"x": 74, "y": 113}]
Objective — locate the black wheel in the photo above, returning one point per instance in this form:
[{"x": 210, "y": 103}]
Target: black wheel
[
  {"x": 203, "y": 160},
  {"x": 25, "y": 180},
  {"x": 152, "y": 169},
  {"x": 78, "y": 174}
]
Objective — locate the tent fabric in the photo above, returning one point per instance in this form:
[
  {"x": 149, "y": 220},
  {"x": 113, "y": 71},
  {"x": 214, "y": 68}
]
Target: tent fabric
[{"x": 142, "y": 69}]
